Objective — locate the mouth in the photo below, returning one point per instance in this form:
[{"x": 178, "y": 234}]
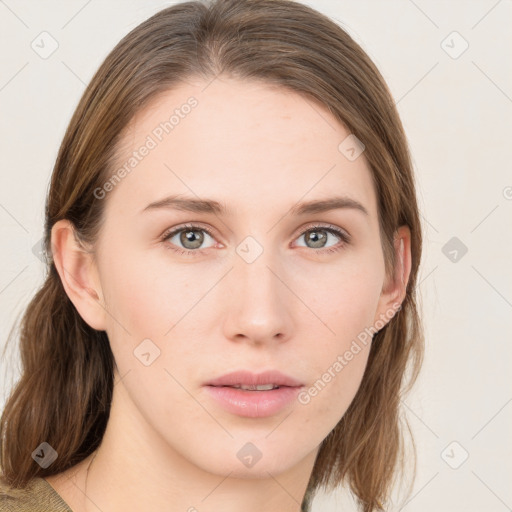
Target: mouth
[
  {"x": 249, "y": 381},
  {"x": 254, "y": 395}
]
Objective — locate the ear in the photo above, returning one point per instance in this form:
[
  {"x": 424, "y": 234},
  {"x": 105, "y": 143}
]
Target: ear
[
  {"x": 78, "y": 274},
  {"x": 394, "y": 290}
]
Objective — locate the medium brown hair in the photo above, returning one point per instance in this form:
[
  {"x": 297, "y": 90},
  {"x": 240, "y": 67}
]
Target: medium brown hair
[{"x": 64, "y": 393}]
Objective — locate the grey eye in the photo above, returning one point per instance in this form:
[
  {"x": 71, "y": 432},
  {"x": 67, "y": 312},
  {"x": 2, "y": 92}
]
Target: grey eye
[
  {"x": 189, "y": 238},
  {"x": 316, "y": 238}
]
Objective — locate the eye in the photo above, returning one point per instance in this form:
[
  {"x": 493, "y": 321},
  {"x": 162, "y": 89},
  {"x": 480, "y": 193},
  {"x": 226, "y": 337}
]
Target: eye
[
  {"x": 191, "y": 237},
  {"x": 318, "y": 235}
]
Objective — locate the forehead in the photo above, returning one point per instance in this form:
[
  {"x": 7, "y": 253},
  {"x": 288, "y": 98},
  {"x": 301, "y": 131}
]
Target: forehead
[{"x": 242, "y": 142}]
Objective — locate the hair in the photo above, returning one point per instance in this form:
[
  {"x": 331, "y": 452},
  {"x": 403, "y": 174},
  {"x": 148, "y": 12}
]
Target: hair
[{"x": 64, "y": 393}]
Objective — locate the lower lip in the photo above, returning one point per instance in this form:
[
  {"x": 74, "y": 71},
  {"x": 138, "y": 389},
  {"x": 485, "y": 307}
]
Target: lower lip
[{"x": 253, "y": 404}]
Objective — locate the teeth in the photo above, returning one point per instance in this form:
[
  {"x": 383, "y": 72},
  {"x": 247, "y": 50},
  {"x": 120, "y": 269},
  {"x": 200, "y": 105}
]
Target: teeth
[{"x": 263, "y": 387}]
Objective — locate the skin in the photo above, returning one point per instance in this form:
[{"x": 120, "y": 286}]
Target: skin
[{"x": 168, "y": 446}]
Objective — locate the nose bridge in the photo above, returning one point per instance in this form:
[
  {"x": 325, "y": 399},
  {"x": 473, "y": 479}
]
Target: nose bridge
[
  {"x": 258, "y": 309},
  {"x": 256, "y": 278},
  {"x": 258, "y": 262}
]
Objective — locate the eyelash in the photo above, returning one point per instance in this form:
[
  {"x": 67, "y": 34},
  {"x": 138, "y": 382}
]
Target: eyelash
[{"x": 345, "y": 238}]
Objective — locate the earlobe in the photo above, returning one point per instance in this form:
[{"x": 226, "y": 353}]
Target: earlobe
[{"x": 78, "y": 274}]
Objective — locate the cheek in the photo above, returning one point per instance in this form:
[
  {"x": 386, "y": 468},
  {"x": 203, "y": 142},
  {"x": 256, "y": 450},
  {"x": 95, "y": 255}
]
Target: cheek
[
  {"x": 145, "y": 299},
  {"x": 337, "y": 369},
  {"x": 339, "y": 372},
  {"x": 146, "y": 293},
  {"x": 344, "y": 297},
  {"x": 346, "y": 303},
  {"x": 149, "y": 298}
]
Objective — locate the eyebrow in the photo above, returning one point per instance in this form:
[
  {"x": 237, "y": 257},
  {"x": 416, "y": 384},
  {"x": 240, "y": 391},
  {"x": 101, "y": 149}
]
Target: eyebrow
[{"x": 177, "y": 202}]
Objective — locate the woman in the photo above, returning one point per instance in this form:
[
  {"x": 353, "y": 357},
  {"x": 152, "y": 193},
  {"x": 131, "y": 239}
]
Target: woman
[{"x": 233, "y": 244}]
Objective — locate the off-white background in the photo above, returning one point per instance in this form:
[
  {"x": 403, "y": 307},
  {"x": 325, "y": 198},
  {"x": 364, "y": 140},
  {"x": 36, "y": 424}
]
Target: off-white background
[{"x": 457, "y": 113}]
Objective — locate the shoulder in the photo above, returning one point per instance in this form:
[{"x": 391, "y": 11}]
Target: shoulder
[{"x": 37, "y": 496}]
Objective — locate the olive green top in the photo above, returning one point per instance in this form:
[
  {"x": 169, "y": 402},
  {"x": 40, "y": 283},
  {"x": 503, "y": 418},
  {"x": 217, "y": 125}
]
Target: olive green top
[
  {"x": 40, "y": 496},
  {"x": 37, "y": 496}
]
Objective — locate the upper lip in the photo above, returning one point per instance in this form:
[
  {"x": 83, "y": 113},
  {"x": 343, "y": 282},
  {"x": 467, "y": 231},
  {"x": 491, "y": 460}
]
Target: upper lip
[{"x": 243, "y": 377}]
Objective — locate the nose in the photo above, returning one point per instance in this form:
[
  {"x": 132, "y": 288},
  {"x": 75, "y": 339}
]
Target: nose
[{"x": 259, "y": 305}]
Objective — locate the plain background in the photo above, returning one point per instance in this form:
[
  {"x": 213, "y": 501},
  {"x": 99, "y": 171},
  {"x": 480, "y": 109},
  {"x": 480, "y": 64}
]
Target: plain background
[{"x": 456, "y": 107}]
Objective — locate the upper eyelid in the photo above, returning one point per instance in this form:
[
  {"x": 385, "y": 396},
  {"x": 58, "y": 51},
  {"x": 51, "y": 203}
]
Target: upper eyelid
[{"x": 199, "y": 227}]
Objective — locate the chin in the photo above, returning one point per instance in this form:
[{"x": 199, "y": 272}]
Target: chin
[{"x": 248, "y": 462}]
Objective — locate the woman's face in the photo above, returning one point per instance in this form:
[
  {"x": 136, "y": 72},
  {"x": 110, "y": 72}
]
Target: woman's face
[{"x": 261, "y": 284}]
